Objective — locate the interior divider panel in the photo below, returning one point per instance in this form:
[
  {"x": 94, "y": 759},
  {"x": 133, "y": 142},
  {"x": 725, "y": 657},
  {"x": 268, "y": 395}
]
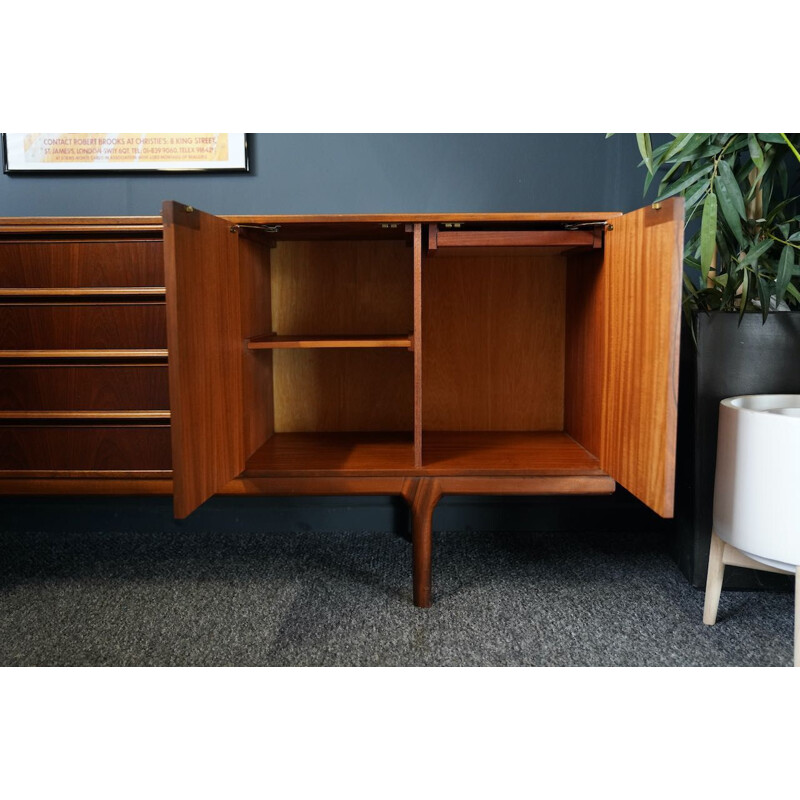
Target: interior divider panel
[
  {"x": 83, "y": 327},
  {"x": 73, "y": 264}
]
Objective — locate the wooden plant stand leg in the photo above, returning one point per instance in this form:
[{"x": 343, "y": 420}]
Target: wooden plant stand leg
[
  {"x": 716, "y": 570},
  {"x": 422, "y": 495},
  {"x": 797, "y": 617}
]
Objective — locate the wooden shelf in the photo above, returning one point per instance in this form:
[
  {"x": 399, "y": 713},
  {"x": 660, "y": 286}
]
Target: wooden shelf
[
  {"x": 141, "y": 416},
  {"x": 343, "y": 453},
  {"x": 92, "y": 354},
  {"x": 317, "y": 342},
  {"x": 505, "y": 453},
  {"x": 86, "y": 291}
]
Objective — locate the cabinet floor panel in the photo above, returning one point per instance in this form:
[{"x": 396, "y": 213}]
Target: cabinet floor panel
[
  {"x": 505, "y": 453},
  {"x": 340, "y": 453}
]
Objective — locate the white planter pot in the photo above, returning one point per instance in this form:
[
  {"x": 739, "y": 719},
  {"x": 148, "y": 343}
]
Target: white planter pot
[{"x": 757, "y": 482}]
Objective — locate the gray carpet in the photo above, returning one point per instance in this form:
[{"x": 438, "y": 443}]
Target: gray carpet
[{"x": 344, "y": 598}]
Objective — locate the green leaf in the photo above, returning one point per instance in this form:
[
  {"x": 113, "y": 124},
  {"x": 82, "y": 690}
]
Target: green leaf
[
  {"x": 708, "y": 234},
  {"x": 609, "y": 135},
  {"x": 771, "y": 137},
  {"x": 680, "y": 141},
  {"x": 783, "y": 177},
  {"x": 763, "y": 297},
  {"x": 744, "y": 296},
  {"x": 785, "y": 269},
  {"x": 752, "y": 255},
  {"x": 795, "y": 237},
  {"x": 685, "y": 182},
  {"x": 692, "y": 200},
  {"x": 646, "y": 149},
  {"x": 729, "y": 186},
  {"x": 729, "y": 206},
  {"x": 755, "y": 150},
  {"x": 791, "y": 289}
]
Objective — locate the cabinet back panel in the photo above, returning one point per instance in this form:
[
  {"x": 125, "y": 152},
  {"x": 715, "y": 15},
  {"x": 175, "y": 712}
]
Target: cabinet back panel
[
  {"x": 328, "y": 288},
  {"x": 343, "y": 390},
  {"x": 81, "y": 264},
  {"x": 493, "y": 343}
]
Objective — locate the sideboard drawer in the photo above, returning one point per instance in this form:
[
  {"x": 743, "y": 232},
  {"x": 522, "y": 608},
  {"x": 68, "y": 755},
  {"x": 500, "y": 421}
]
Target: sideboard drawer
[
  {"x": 85, "y": 447},
  {"x": 84, "y": 388},
  {"x": 60, "y": 264},
  {"x": 83, "y": 326}
]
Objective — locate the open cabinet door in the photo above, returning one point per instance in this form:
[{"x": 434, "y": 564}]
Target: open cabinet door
[
  {"x": 642, "y": 267},
  {"x": 205, "y": 353}
]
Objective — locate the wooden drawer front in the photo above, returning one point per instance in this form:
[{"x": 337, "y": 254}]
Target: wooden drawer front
[
  {"x": 75, "y": 264},
  {"x": 76, "y": 447},
  {"x": 75, "y": 327},
  {"x": 84, "y": 388}
]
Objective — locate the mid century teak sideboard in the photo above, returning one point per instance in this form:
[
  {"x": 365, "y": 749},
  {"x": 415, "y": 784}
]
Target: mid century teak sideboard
[{"x": 407, "y": 354}]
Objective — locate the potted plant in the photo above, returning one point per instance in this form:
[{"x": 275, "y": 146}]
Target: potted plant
[{"x": 741, "y": 295}]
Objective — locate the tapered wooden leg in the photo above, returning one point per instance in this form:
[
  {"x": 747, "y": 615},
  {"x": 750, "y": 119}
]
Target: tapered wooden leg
[
  {"x": 422, "y": 495},
  {"x": 797, "y": 617},
  {"x": 716, "y": 570}
]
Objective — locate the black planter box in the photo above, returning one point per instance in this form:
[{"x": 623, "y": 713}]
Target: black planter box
[{"x": 730, "y": 359}]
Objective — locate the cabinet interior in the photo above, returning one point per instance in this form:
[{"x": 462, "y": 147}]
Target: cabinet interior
[{"x": 330, "y": 349}]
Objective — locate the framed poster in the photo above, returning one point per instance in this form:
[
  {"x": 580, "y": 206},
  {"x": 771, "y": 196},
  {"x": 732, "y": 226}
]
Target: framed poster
[{"x": 124, "y": 152}]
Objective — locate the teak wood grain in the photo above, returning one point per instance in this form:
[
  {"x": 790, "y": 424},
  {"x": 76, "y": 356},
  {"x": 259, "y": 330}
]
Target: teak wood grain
[
  {"x": 493, "y": 353},
  {"x": 643, "y": 267},
  {"x": 352, "y": 389},
  {"x": 68, "y": 264},
  {"x": 333, "y": 453},
  {"x": 124, "y": 448},
  {"x": 100, "y": 387},
  {"x": 324, "y": 288},
  {"x": 505, "y": 452},
  {"x": 60, "y": 224},
  {"x": 511, "y": 238},
  {"x": 204, "y": 331},
  {"x": 326, "y": 342},
  {"x": 159, "y": 354},
  {"x": 83, "y": 327},
  {"x": 417, "y": 344},
  {"x": 257, "y": 404},
  {"x": 584, "y": 379}
]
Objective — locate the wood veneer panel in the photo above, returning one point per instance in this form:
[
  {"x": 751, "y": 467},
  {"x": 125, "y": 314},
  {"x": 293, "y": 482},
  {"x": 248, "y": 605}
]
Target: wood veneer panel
[
  {"x": 417, "y": 231},
  {"x": 75, "y": 388},
  {"x": 503, "y": 452},
  {"x": 84, "y": 447},
  {"x": 204, "y": 331},
  {"x": 531, "y": 216},
  {"x": 643, "y": 271},
  {"x": 343, "y": 390},
  {"x": 77, "y": 326},
  {"x": 256, "y": 308},
  {"x": 350, "y": 288},
  {"x": 82, "y": 355},
  {"x": 513, "y": 238},
  {"x": 493, "y": 357},
  {"x": 326, "y": 342},
  {"x": 88, "y": 483},
  {"x": 81, "y": 264},
  {"x": 344, "y": 453},
  {"x": 584, "y": 379}
]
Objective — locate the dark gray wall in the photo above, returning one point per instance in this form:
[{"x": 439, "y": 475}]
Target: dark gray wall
[
  {"x": 352, "y": 173},
  {"x": 355, "y": 173}
]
